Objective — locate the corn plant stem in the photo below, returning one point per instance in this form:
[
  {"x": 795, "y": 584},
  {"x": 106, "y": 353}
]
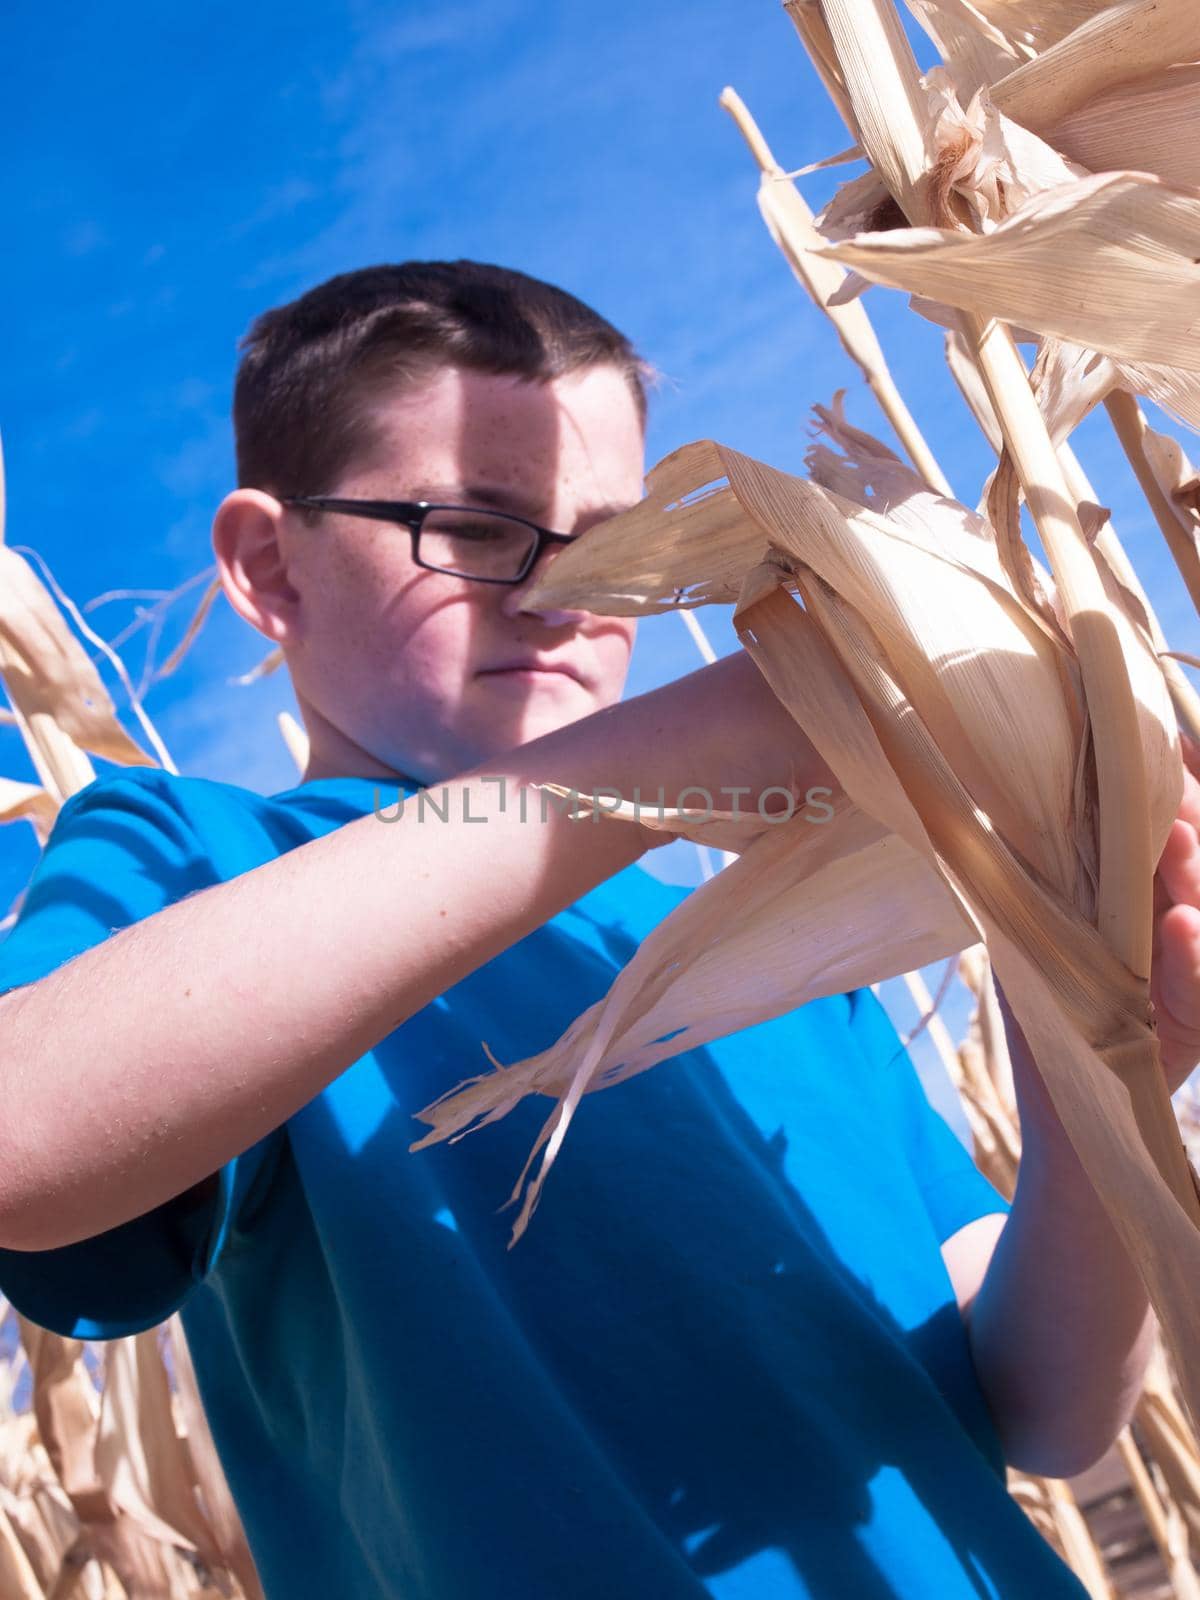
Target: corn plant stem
[
  {"x": 1126, "y": 862},
  {"x": 1152, "y": 1508},
  {"x": 975, "y": 967},
  {"x": 1129, "y": 425},
  {"x": 886, "y": 99},
  {"x": 874, "y": 369},
  {"x": 1069, "y": 1531},
  {"x": 1125, "y": 900},
  {"x": 884, "y": 87},
  {"x": 1169, "y": 1440},
  {"x": 1183, "y": 695},
  {"x": 883, "y": 82},
  {"x": 891, "y": 403},
  {"x": 938, "y": 1032},
  {"x": 295, "y": 738},
  {"x": 1084, "y": 1555}
]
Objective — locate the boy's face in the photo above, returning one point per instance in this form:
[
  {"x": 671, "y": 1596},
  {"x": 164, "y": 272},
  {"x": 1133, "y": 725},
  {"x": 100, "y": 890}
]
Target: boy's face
[{"x": 399, "y": 669}]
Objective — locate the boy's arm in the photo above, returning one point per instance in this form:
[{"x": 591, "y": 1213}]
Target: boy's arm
[
  {"x": 1059, "y": 1323},
  {"x": 1059, "y": 1320},
  {"x": 135, "y": 1071}
]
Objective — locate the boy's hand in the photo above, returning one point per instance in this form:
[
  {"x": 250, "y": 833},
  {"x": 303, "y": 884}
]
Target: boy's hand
[{"x": 1175, "y": 967}]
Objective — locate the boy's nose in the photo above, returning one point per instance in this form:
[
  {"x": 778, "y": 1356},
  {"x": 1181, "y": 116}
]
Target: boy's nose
[{"x": 516, "y": 600}]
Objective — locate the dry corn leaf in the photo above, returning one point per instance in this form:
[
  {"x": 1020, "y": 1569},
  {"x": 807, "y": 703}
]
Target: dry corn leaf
[
  {"x": 990, "y": 163},
  {"x": 1169, "y": 482},
  {"x": 1171, "y": 1444},
  {"x": 271, "y": 662},
  {"x": 18, "y": 1580},
  {"x": 1148, "y": 125},
  {"x": 198, "y": 618},
  {"x": 669, "y": 524},
  {"x": 1027, "y": 26},
  {"x": 782, "y": 924},
  {"x": 54, "y": 688},
  {"x": 44, "y": 1523},
  {"x": 31, "y": 801},
  {"x": 54, "y": 1507},
  {"x": 1108, "y": 262},
  {"x": 891, "y": 122},
  {"x": 1115, "y": 45},
  {"x": 1069, "y": 383},
  {"x": 140, "y": 1459},
  {"x": 295, "y": 738},
  {"x": 976, "y": 51},
  {"x": 64, "y": 1402},
  {"x": 219, "y": 1508},
  {"x": 689, "y": 544}
]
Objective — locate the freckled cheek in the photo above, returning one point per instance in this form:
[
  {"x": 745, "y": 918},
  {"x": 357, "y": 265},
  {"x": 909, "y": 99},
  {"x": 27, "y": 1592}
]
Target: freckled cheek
[{"x": 431, "y": 643}]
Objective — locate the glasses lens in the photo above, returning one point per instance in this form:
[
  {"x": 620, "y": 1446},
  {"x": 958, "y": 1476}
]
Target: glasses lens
[{"x": 475, "y": 544}]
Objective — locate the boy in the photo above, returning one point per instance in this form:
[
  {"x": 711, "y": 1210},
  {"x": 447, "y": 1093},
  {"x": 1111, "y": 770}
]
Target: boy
[{"x": 732, "y": 1355}]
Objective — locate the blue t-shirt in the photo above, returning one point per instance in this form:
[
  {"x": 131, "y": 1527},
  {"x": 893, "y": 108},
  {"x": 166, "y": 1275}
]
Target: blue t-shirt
[{"x": 724, "y": 1360}]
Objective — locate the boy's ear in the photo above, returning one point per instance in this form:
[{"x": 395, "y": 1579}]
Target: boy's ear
[{"x": 247, "y": 540}]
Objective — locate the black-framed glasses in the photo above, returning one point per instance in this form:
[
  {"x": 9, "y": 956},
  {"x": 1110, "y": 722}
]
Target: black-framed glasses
[{"x": 462, "y": 541}]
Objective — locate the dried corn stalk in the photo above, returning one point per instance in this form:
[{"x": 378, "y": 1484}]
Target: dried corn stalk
[
  {"x": 57, "y": 699},
  {"x": 101, "y": 1494},
  {"x": 1012, "y": 728}
]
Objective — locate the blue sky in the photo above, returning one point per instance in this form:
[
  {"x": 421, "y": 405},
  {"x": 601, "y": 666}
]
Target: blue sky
[{"x": 171, "y": 173}]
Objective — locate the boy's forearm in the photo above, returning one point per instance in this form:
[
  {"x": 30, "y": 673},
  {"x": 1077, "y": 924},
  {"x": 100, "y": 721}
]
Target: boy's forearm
[{"x": 1061, "y": 1328}]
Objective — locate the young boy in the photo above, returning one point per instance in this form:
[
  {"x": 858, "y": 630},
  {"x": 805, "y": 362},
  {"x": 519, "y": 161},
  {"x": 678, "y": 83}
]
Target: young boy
[{"x": 732, "y": 1356}]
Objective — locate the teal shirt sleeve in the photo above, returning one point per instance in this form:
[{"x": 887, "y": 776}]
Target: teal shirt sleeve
[
  {"x": 954, "y": 1190},
  {"x": 120, "y": 851}
]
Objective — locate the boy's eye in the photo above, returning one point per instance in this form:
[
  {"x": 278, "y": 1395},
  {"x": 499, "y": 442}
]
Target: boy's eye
[
  {"x": 479, "y": 531},
  {"x": 476, "y": 544}
]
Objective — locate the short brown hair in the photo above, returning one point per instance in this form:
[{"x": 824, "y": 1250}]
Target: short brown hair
[{"x": 308, "y": 367}]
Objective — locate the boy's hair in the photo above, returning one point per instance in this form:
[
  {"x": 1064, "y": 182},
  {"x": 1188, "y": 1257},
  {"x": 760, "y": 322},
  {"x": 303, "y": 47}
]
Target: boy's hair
[{"x": 308, "y": 368}]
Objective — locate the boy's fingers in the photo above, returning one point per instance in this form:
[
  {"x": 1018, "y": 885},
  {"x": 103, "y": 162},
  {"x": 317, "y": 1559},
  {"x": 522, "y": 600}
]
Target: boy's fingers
[
  {"x": 1177, "y": 976},
  {"x": 1189, "y": 805},
  {"x": 1179, "y": 866}
]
